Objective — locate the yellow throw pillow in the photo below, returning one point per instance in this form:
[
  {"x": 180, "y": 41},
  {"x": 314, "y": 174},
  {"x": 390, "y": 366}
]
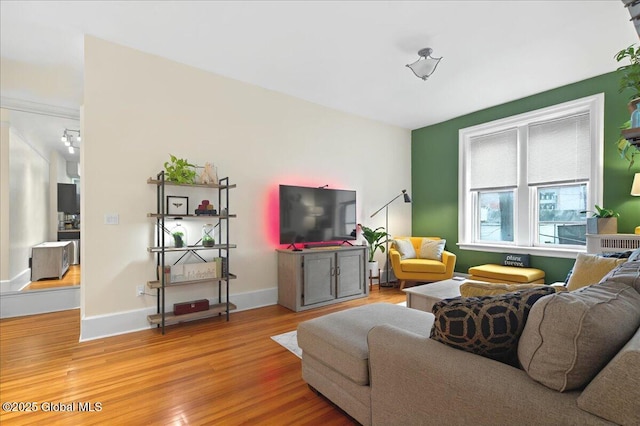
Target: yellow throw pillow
[
  {"x": 478, "y": 288},
  {"x": 589, "y": 269}
]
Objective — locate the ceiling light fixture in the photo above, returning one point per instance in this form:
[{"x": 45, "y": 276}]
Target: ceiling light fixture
[
  {"x": 69, "y": 137},
  {"x": 426, "y": 65}
]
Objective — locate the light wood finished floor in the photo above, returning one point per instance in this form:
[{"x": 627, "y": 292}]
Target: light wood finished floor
[
  {"x": 70, "y": 278},
  {"x": 205, "y": 372}
]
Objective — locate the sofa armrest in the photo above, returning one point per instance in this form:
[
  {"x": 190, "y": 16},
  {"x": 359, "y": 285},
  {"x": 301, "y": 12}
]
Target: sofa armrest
[{"x": 414, "y": 378}]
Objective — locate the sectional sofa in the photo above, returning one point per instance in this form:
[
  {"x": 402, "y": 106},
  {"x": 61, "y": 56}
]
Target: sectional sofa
[{"x": 578, "y": 362}]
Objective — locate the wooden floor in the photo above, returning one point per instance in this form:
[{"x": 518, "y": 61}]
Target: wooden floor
[
  {"x": 70, "y": 278},
  {"x": 205, "y": 372}
]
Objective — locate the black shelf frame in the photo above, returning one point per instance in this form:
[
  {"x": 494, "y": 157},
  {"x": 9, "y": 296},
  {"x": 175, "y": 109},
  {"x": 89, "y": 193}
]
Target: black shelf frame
[{"x": 223, "y": 306}]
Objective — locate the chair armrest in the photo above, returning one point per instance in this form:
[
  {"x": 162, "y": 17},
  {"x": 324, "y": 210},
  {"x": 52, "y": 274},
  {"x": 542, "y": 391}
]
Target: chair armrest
[
  {"x": 415, "y": 378},
  {"x": 394, "y": 255},
  {"x": 449, "y": 259}
]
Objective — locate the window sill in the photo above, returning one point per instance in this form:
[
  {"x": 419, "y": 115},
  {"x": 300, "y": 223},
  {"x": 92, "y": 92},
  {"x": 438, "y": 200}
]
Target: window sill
[{"x": 567, "y": 253}]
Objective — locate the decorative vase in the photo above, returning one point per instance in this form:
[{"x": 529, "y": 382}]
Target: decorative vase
[
  {"x": 635, "y": 117},
  {"x": 207, "y": 235},
  {"x": 602, "y": 225},
  {"x": 372, "y": 269}
]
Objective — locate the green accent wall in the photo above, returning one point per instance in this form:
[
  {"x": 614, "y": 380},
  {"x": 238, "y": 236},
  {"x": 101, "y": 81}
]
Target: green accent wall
[{"x": 434, "y": 170}]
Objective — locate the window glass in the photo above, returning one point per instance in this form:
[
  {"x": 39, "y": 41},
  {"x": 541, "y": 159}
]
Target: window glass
[
  {"x": 561, "y": 217},
  {"x": 496, "y": 216}
]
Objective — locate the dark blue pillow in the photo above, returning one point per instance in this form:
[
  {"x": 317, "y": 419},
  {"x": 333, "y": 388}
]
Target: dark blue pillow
[{"x": 488, "y": 325}]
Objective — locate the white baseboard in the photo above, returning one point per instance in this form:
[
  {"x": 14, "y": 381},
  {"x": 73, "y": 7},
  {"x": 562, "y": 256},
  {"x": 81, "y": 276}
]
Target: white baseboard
[
  {"x": 99, "y": 326},
  {"x": 17, "y": 283},
  {"x": 31, "y": 302}
]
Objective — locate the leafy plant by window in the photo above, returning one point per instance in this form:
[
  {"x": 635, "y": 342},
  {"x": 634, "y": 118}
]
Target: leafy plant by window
[
  {"x": 602, "y": 213},
  {"x": 179, "y": 170}
]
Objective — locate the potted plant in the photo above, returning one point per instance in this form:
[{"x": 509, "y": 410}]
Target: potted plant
[
  {"x": 179, "y": 170},
  {"x": 630, "y": 82},
  {"x": 603, "y": 221},
  {"x": 178, "y": 238},
  {"x": 376, "y": 238},
  {"x": 630, "y": 74}
]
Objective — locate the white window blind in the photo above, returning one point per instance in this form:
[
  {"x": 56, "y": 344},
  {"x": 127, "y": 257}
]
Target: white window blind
[
  {"x": 493, "y": 161},
  {"x": 559, "y": 151}
]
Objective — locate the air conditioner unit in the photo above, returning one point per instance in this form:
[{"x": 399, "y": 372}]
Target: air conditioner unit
[{"x": 611, "y": 243}]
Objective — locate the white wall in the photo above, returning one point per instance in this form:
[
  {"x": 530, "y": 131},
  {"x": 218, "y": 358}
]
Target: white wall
[
  {"x": 4, "y": 196},
  {"x": 29, "y": 195},
  {"x": 139, "y": 108}
]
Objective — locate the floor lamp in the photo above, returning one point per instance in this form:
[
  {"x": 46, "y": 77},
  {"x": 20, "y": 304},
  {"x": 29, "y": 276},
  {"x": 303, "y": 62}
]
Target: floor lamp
[{"x": 407, "y": 199}]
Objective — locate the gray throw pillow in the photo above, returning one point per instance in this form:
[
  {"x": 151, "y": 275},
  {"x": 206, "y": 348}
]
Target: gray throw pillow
[{"x": 570, "y": 336}]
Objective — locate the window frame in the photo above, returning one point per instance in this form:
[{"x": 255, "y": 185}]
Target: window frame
[{"x": 525, "y": 216}]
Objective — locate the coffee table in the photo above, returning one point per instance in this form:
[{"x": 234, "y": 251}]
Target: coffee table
[{"x": 423, "y": 297}]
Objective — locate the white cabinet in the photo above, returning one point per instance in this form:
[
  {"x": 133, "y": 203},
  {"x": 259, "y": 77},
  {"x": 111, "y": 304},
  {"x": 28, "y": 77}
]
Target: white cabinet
[
  {"x": 50, "y": 260},
  {"x": 317, "y": 277}
]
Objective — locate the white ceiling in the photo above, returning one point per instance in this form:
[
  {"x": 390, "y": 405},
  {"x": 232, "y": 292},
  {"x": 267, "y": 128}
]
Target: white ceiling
[{"x": 347, "y": 55}]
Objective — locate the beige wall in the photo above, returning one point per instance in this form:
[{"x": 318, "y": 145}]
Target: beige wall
[{"x": 139, "y": 108}]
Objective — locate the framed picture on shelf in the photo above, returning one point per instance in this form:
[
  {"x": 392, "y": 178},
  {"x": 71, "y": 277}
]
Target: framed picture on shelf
[{"x": 177, "y": 205}]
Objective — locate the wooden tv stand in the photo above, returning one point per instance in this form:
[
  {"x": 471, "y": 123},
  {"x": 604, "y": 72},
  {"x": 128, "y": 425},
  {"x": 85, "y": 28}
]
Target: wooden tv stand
[{"x": 316, "y": 277}]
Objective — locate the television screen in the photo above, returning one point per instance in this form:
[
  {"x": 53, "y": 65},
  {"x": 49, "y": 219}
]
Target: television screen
[{"x": 313, "y": 215}]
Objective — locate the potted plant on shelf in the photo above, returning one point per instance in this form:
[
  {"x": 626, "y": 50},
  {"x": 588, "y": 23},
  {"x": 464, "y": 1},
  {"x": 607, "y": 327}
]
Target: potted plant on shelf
[
  {"x": 604, "y": 221},
  {"x": 178, "y": 238},
  {"x": 179, "y": 170},
  {"x": 629, "y": 82},
  {"x": 376, "y": 238}
]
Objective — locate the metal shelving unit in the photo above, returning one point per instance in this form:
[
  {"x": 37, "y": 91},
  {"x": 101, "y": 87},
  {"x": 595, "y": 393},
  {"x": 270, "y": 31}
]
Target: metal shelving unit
[{"x": 223, "y": 306}]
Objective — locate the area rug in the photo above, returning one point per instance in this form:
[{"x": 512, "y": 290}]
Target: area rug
[{"x": 289, "y": 341}]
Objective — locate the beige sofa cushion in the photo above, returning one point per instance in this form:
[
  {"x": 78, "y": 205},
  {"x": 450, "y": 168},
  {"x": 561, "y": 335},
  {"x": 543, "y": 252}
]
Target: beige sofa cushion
[
  {"x": 339, "y": 339},
  {"x": 589, "y": 269},
  {"x": 614, "y": 393},
  {"x": 477, "y": 288},
  {"x": 570, "y": 336}
]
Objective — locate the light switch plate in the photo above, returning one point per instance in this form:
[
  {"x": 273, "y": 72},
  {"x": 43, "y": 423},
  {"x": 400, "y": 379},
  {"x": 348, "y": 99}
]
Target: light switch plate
[{"x": 111, "y": 218}]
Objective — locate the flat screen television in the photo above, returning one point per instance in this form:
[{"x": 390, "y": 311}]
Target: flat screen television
[{"x": 316, "y": 215}]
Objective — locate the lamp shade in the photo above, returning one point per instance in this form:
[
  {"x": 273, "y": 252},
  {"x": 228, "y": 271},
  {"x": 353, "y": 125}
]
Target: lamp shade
[
  {"x": 635, "y": 187},
  {"x": 426, "y": 65}
]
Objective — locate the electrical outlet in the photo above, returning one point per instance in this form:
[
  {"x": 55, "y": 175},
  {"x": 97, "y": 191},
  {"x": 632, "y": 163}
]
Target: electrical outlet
[{"x": 140, "y": 290}]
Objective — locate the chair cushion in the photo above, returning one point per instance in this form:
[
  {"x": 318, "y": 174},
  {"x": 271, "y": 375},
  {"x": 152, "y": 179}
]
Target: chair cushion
[
  {"x": 423, "y": 265},
  {"x": 432, "y": 249},
  {"x": 477, "y": 288},
  {"x": 571, "y": 336},
  {"x": 589, "y": 269},
  {"x": 489, "y": 325},
  {"x": 405, "y": 248},
  {"x": 507, "y": 273}
]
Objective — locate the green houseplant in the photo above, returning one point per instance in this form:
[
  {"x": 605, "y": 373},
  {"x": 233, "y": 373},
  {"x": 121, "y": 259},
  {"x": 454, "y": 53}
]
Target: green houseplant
[
  {"x": 375, "y": 238},
  {"x": 603, "y": 221},
  {"x": 629, "y": 82},
  {"x": 179, "y": 170}
]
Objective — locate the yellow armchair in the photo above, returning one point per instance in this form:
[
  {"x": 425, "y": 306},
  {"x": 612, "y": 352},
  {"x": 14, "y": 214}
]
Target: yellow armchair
[{"x": 417, "y": 269}]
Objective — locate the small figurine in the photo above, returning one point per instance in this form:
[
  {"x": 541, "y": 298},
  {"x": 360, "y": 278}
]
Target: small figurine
[{"x": 209, "y": 174}]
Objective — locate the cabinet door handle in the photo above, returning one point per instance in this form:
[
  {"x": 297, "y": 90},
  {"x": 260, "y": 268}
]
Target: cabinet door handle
[
  {"x": 333, "y": 271},
  {"x": 338, "y": 270}
]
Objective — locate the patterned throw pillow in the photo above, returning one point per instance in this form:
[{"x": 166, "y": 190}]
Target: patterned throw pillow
[{"x": 489, "y": 325}]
